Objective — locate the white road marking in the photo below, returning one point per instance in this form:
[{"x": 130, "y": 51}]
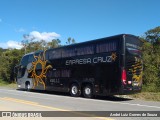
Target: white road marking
[{"x": 131, "y": 104}]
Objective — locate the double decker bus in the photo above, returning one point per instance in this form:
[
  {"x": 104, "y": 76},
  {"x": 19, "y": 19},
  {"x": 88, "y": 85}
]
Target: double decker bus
[{"x": 106, "y": 66}]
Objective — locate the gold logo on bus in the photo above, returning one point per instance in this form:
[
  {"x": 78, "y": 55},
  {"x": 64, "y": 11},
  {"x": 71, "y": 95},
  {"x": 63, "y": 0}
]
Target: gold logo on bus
[
  {"x": 137, "y": 67},
  {"x": 113, "y": 56},
  {"x": 38, "y": 77}
]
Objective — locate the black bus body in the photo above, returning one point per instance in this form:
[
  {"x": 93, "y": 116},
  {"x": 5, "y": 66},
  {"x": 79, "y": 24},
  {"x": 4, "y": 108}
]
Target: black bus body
[{"x": 106, "y": 66}]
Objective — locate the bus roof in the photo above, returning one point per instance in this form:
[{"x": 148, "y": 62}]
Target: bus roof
[{"x": 95, "y": 40}]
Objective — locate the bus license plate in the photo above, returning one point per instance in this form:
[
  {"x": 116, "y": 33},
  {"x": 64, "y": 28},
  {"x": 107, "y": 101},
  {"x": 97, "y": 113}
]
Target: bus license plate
[{"x": 135, "y": 84}]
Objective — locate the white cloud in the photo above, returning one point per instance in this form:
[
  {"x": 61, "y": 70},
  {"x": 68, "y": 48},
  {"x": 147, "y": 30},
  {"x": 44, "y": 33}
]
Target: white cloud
[
  {"x": 11, "y": 44},
  {"x": 20, "y": 30},
  {"x": 14, "y": 44},
  {"x": 34, "y": 35},
  {"x": 47, "y": 36}
]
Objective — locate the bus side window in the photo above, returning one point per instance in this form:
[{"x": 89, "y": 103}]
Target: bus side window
[
  {"x": 55, "y": 54},
  {"x": 86, "y": 50},
  {"x": 46, "y": 55},
  {"x": 70, "y": 52},
  {"x": 106, "y": 47}
]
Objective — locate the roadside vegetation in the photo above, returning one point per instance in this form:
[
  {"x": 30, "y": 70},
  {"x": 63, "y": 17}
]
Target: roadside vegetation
[
  {"x": 151, "y": 62},
  {"x": 149, "y": 96},
  {"x": 4, "y": 84}
]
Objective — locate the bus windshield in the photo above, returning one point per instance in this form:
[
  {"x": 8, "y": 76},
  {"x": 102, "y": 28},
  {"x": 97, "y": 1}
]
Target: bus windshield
[
  {"x": 133, "y": 46},
  {"x": 133, "y": 51}
]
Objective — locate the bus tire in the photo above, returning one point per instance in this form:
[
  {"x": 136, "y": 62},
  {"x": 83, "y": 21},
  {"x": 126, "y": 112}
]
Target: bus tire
[
  {"x": 28, "y": 86},
  {"x": 75, "y": 90},
  {"x": 88, "y": 91}
]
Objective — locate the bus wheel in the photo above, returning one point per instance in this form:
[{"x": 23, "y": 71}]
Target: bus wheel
[
  {"x": 74, "y": 90},
  {"x": 87, "y": 91},
  {"x": 28, "y": 87}
]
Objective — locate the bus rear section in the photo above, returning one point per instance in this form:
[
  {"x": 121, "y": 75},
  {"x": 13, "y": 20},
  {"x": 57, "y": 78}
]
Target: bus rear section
[{"x": 133, "y": 65}]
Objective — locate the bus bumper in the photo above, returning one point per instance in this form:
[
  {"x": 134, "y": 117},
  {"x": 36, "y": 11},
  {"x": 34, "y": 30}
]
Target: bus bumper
[{"x": 132, "y": 90}]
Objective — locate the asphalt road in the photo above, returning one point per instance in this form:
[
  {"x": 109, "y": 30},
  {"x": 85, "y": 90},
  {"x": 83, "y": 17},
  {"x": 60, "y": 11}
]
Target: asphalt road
[{"x": 18, "y": 100}]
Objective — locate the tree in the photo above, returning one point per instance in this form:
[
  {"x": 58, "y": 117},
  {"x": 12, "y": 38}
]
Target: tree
[
  {"x": 153, "y": 35},
  {"x": 9, "y": 59},
  {"x": 70, "y": 41},
  {"x": 54, "y": 43},
  {"x": 151, "y": 58}
]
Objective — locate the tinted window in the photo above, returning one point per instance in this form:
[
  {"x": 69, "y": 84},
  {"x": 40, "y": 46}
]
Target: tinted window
[
  {"x": 106, "y": 47},
  {"x": 134, "y": 51},
  {"x": 24, "y": 61},
  {"x": 65, "y": 73},
  {"x": 55, "y": 54},
  {"x": 46, "y": 55},
  {"x": 133, "y": 45},
  {"x": 68, "y": 52},
  {"x": 85, "y": 50},
  {"x": 31, "y": 58}
]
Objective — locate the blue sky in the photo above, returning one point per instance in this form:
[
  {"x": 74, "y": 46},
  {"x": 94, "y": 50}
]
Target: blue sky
[{"x": 82, "y": 20}]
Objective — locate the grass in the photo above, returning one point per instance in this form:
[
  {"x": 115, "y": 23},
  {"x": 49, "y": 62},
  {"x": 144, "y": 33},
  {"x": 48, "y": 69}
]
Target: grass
[
  {"x": 7, "y": 85},
  {"x": 149, "y": 96}
]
